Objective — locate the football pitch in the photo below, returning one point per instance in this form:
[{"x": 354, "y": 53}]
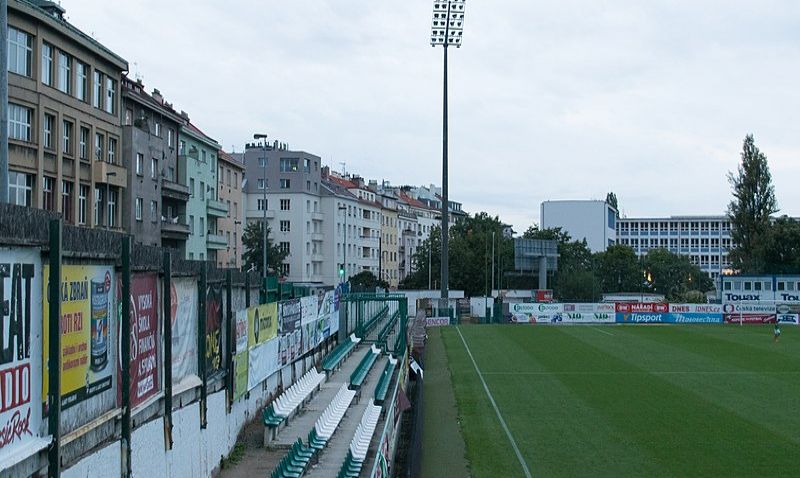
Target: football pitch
[{"x": 623, "y": 400}]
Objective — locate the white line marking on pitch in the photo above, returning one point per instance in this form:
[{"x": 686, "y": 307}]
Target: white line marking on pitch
[
  {"x": 602, "y": 331},
  {"x": 666, "y": 372},
  {"x": 497, "y": 410}
]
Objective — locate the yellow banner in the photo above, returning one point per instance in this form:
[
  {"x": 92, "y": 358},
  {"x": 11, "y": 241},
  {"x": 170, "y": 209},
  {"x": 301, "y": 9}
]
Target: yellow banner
[
  {"x": 87, "y": 346},
  {"x": 262, "y": 323}
]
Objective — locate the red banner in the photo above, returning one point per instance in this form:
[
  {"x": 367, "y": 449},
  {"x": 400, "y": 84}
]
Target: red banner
[
  {"x": 145, "y": 339},
  {"x": 749, "y": 318},
  {"x": 642, "y": 308},
  {"x": 544, "y": 295}
]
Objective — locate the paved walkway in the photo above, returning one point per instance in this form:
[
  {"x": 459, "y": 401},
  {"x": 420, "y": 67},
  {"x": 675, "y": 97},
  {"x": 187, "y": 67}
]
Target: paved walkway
[{"x": 332, "y": 457}]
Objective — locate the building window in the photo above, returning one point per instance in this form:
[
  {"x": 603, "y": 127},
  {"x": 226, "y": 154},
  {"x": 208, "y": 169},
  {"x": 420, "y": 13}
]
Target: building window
[
  {"x": 139, "y": 207},
  {"x": 19, "y": 122},
  {"x": 98, "y": 146},
  {"x": 153, "y": 168},
  {"x": 235, "y": 180},
  {"x": 98, "y": 208},
  {"x": 111, "y": 92},
  {"x": 191, "y": 224},
  {"x": 97, "y": 89},
  {"x": 170, "y": 137},
  {"x": 67, "y": 136},
  {"x": 182, "y": 148},
  {"x": 112, "y": 208},
  {"x": 81, "y": 81},
  {"x": 49, "y": 122},
  {"x": 262, "y": 162},
  {"x": 284, "y": 247},
  {"x": 307, "y": 165},
  {"x": 171, "y": 171},
  {"x": 235, "y": 209},
  {"x": 285, "y": 204},
  {"x": 308, "y": 185},
  {"x": 285, "y": 269},
  {"x": 158, "y": 129},
  {"x": 64, "y": 73},
  {"x": 139, "y": 164},
  {"x": 285, "y": 184},
  {"x": 228, "y": 171},
  {"x": 262, "y": 204},
  {"x": 66, "y": 200},
  {"x": 202, "y": 191},
  {"x": 202, "y": 226},
  {"x": 154, "y": 211},
  {"x": 20, "y": 188},
  {"x": 289, "y": 165},
  {"x": 285, "y": 226},
  {"x": 191, "y": 187},
  {"x": 83, "y": 140},
  {"x": 19, "y": 52},
  {"x": 83, "y": 194},
  {"x": 112, "y": 150},
  {"x": 48, "y": 184},
  {"x": 47, "y": 64},
  {"x": 262, "y": 184}
]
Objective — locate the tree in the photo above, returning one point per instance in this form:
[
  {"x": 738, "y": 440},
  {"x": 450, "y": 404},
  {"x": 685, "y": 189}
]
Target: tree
[
  {"x": 674, "y": 275},
  {"x": 253, "y": 240},
  {"x": 780, "y": 248},
  {"x": 578, "y": 286},
  {"x": 366, "y": 281},
  {"x": 619, "y": 270},
  {"x": 753, "y": 203},
  {"x": 550, "y": 234}
]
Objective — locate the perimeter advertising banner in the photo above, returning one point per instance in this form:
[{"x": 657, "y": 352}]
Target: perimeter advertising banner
[
  {"x": 788, "y": 313},
  {"x": 183, "y": 293},
  {"x": 262, "y": 323},
  {"x": 670, "y": 313},
  {"x": 145, "y": 339},
  {"x": 20, "y": 350},
  {"x": 309, "y": 306},
  {"x": 749, "y": 313},
  {"x": 87, "y": 348},
  {"x": 263, "y": 361},
  {"x": 240, "y": 358},
  {"x": 535, "y": 313},
  {"x": 214, "y": 331},
  {"x": 291, "y": 330},
  {"x": 588, "y": 313}
]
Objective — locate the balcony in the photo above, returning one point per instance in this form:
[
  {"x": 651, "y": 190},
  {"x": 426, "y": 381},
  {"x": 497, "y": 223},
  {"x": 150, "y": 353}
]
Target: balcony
[
  {"x": 317, "y": 258},
  {"x": 317, "y": 216},
  {"x": 217, "y": 208},
  {"x": 174, "y": 228},
  {"x": 317, "y": 236},
  {"x": 112, "y": 174},
  {"x": 174, "y": 190},
  {"x": 216, "y": 241}
]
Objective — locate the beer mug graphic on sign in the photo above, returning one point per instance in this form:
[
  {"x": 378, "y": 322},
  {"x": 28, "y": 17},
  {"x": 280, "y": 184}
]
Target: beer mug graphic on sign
[{"x": 99, "y": 327}]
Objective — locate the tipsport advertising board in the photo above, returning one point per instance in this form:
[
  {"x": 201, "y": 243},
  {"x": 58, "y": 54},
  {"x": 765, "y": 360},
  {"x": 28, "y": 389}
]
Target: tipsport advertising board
[
  {"x": 88, "y": 302},
  {"x": 657, "y": 313}
]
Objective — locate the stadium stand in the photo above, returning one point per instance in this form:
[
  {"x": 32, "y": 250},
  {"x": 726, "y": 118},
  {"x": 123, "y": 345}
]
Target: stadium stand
[
  {"x": 335, "y": 357},
  {"x": 359, "y": 446},
  {"x": 360, "y": 373}
]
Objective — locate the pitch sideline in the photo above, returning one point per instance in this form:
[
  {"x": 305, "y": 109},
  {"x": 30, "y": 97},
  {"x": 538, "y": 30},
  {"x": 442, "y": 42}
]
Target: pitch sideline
[{"x": 494, "y": 405}]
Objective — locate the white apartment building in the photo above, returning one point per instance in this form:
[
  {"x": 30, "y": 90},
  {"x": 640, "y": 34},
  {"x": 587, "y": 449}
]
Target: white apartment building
[{"x": 592, "y": 220}]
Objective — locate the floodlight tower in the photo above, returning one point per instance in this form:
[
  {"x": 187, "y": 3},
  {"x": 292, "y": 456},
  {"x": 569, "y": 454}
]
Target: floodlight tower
[{"x": 446, "y": 30}]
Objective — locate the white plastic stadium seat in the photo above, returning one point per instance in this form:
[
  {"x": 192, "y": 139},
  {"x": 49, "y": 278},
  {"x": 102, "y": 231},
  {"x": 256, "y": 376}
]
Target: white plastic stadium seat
[
  {"x": 326, "y": 424},
  {"x": 289, "y": 400}
]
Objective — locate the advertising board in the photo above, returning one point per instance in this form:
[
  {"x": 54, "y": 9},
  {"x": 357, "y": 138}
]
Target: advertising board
[
  {"x": 437, "y": 321},
  {"x": 21, "y": 368},
  {"x": 214, "y": 331},
  {"x": 183, "y": 293},
  {"x": 742, "y": 313},
  {"x": 524, "y": 313},
  {"x": 145, "y": 339},
  {"x": 88, "y": 303},
  {"x": 262, "y": 323}
]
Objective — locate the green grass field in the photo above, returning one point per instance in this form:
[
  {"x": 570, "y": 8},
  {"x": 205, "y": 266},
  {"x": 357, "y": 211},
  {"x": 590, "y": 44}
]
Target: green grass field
[{"x": 627, "y": 400}]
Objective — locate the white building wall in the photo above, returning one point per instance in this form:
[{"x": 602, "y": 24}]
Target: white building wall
[{"x": 581, "y": 219}]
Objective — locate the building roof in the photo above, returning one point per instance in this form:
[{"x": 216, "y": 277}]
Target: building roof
[
  {"x": 402, "y": 196},
  {"x": 345, "y": 183},
  {"x": 336, "y": 189},
  {"x": 193, "y": 130},
  {"x": 135, "y": 91},
  {"x": 232, "y": 160}
]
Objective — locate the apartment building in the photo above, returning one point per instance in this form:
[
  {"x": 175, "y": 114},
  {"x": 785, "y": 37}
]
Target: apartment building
[
  {"x": 156, "y": 190},
  {"x": 338, "y": 204},
  {"x": 363, "y": 225},
  {"x": 286, "y": 185},
  {"x": 389, "y": 270},
  {"x": 230, "y": 172},
  {"x": 199, "y": 153},
  {"x": 63, "y": 118}
]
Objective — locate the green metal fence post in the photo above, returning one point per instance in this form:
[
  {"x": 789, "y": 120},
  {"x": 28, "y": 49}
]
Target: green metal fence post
[
  {"x": 54, "y": 351},
  {"x": 230, "y": 331},
  {"x": 125, "y": 356},
  {"x": 202, "y": 288},
  {"x": 167, "y": 319}
]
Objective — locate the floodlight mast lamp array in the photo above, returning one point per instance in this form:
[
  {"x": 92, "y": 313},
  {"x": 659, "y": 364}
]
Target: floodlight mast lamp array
[{"x": 446, "y": 30}]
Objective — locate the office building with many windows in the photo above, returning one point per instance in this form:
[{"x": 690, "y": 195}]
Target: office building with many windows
[{"x": 63, "y": 118}]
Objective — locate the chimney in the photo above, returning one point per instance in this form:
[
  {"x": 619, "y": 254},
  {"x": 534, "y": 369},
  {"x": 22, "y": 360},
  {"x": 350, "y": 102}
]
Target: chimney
[
  {"x": 326, "y": 171},
  {"x": 185, "y": 115},
  {"x": 157, "y": 96}
]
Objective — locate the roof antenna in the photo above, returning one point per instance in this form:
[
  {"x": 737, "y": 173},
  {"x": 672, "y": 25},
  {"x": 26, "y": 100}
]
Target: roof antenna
[{"x": 344, "y": 168}]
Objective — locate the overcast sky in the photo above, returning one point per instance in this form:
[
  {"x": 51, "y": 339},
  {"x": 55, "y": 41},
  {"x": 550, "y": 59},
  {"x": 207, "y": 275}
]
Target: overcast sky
[{"x": 548, "y": 100}]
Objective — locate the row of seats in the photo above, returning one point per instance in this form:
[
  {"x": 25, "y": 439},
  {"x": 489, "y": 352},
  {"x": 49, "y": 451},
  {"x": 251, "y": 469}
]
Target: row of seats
[
  {"x": 295, "y": 462},
  {"x": 371, "y": 323},
  {"x": 335, "y": 357},
  {"x": 326, "y": 424},
  {"x": 360, "y": 373},
  {"x": 287, "y": 403},
  {"x": 383, "y": 382},
  {"x": 388, "y": 327},
  {"x": 359, "y": 446}
]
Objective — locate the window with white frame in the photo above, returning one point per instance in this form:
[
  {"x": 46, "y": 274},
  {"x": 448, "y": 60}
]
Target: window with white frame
[
  {"x": 66, "y": 130},
  {"x": 111, "y": 93},
  {"x": 262, "y": 184},
  {"x": 64, "y": 73},
  {"x": 139, "y": 164},
  {"x": 112, "y": 207},
  {"x": 285, "y": 226},
  {"x": 153, "y": 168},
  {"x": 47, "y": 139},
  {"x": 285, "y": 204},
  {"x": 48, "y": 192},
  {"x": 81, "y": 81},
  {"x": 98, "y": 146},
  {"x": 20, "y": 188},
  {"x": 170, "y": 137},
  {"x": 261, "y": 204},
  {"x": 19, "y": 122},
  {"x": 83, "y": 197},
  {"x": 47, "y": 64},
  {"x": 66, "y": 200},
  {"x": 154, "y": 211},
  {"x": 158, "y": 129},
  {"x": 97, "y": 89},
  {"x": 112, "y": 150},
  {"x": 139, "y": 207},
  {"x": 84, "y": 140},
  {"x": 285, "y": 184},
  {"x": 19, "y": 52}
]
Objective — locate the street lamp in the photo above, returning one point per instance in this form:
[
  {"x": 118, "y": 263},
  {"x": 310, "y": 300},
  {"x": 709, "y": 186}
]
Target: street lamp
[
  {"x": 343, "y": 272},
  {"x": 446, "y": 29},
  {"x": 263, "y": 137},
  {"x": 108, "y": 193}
]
